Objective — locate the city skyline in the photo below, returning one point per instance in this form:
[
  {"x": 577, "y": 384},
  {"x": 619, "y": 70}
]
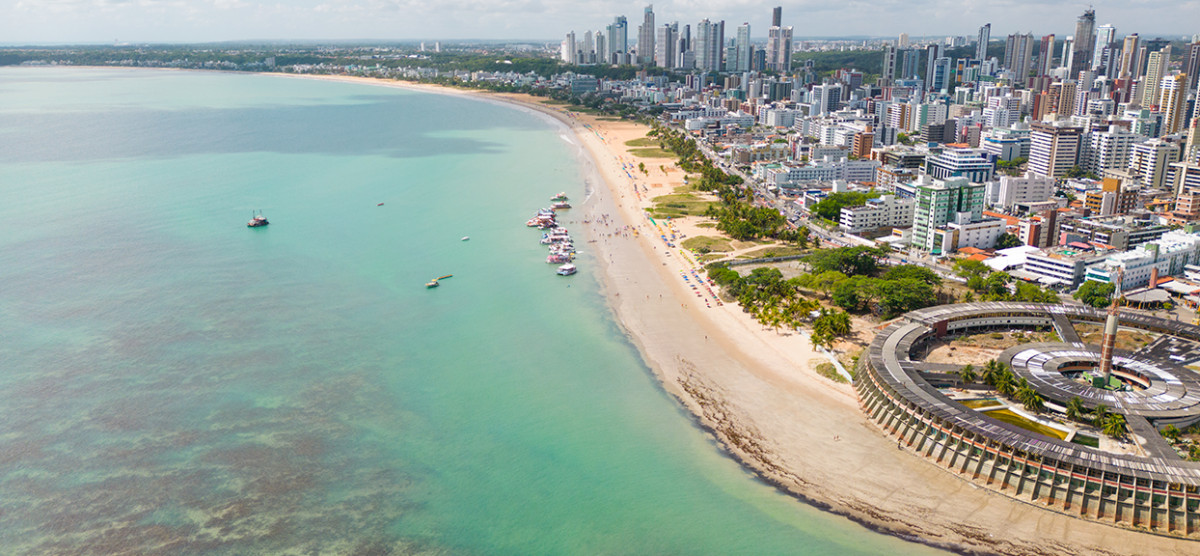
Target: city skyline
[{"x": 177, "y": 21}]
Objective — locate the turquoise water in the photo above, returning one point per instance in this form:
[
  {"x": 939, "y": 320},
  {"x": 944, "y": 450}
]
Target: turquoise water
[{"x": 174, "y": 382}]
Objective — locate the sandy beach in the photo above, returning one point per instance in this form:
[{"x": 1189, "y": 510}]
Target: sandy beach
[{"x": 756, "y": 390}]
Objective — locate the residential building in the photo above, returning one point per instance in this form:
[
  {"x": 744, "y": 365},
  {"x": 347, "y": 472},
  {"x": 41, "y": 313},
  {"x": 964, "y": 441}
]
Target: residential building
[
  {"x": 645, "y": 45},
  {"x": 1053, "y": 149},
  {"x": 1149, "y": 161},
  {"x": 1111, "y": 198},
  {"x": 1018, "y": 55},
  {"x": 1173, "y": 103},
  {"x": 973, "y": 164},
  {"x": 940, "y": 202},
  {"x": 1064, "y": 264},
  {"x": 1026, "y": 189},
  {"x": 1120, "y": 232},
  {"x": 885, "y": 212},
  {"x": 1166, "y": 256},
  {"x": 1108, "y": 150}
]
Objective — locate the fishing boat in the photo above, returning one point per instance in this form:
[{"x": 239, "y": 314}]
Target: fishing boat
[
  {"x": 561, "y": 205},
  {"x": 558, "y": 258},
  {"x": 560, "y": 197},
  {"x": 566, "y": 270},
  {"x": 257, "y": 220}
]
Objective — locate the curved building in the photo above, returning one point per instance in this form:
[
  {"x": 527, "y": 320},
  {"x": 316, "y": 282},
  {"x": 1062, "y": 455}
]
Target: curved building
[{"x": 1158, "y": 491}]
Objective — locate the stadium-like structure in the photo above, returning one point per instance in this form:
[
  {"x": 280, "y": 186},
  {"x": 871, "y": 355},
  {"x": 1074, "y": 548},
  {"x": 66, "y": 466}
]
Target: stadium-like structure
[{"x": 1155, "y": 490}]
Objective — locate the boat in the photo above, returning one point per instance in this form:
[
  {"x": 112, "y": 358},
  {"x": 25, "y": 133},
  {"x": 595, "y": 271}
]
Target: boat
[
  {"x": 566, "y": 270},
  {"x": 379, "y": 205},
  {"x": 560, "y": 197},
  {"x": 466, "y": 238},
  {"x": 562, "y": 205},
  {"x": 434, "y": 283},
  {"x": 558, "y": 258},
  {"x": 257, "y": 220}
]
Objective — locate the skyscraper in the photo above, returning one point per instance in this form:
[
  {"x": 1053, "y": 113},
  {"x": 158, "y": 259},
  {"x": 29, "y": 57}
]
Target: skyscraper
[
  {"x": 1085, "y": 39},
  {"x": 710, "y": 40},
  {"x": 908, "y": 68},
  {"x": 932, "y": 53},
  {"x": 779, "y": 44},
  {"x": 569, "y": 50},
  {"x": 1046, "y": 56},
  {"x": 1173, "y": 103},
  {"x": 645, "y": 45},
  {"x": 888, "y": 71},
  {"x": 664, "y": 46},
  {"x": 1156, "y": 68},
  {"x": 1018, "y": 55},
  {"x": 939, "y": 75},
  {"x": 1106, "y": 36},
  {"x": 618, "y": 41},
  {"x": 985, "y": 35},
  {"x": 1129, "y": 57},
  {"x": 1191, "y": 67},
  {"x": 744, "y": 49}
]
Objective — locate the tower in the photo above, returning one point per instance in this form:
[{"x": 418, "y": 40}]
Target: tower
[
  {"x": 932, "y": 53},
  {"x": 743, "y": 48},
  {"x": 888, "y": 71},
  {"x": 1102, "y": 55},
  {"x": 645, "y": 45},
  {"x": 1156, "y": 68},
  {"x": 1129, "y": 53},
  {"x": 1110, "y": 329},
  {"x": 1173, "y": 103},
  {"x": 1018, "y": 54}
]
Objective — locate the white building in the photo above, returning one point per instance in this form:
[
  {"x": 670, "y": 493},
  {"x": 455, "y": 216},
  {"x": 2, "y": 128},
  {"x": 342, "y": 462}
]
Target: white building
[
  {"x": 1026, "y": 189},
  {"x": 884, "y": 212},
  {"x": 1169, "y": 255}
]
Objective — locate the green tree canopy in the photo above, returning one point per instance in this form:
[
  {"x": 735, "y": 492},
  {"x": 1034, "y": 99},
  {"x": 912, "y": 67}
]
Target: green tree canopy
[
  {"x": 830, "y": 208},
  {"x": 1004, "y": 241},
  {"x": 1096, "y": 294},
  {"x": 851, "y": 261},
  {"x": 915, "y": 272}
]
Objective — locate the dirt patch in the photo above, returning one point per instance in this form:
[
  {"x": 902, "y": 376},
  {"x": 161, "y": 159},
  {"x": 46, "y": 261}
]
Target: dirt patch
[
  {"x": 1126, "y": 339},
  {"x": 977, "y": 349}
]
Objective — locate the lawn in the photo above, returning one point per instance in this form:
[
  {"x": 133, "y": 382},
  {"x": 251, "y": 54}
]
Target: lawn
[
  {"x": 643, "y": 142},
  {"x": 712, "y": 243},
  {"x": 652, "y": 152},
  {"x": 675, "y": 206},
  {"x": 773, "y": 251},
  {"x": 1014, "y": 419},
  {"x": 827, "y": 370}
]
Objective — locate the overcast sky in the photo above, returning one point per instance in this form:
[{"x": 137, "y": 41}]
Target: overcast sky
[{"x": 104, "y": 21}]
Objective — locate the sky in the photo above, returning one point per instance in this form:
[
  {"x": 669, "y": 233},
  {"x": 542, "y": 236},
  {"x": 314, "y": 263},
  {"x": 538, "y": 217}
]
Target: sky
[{"x": 184, "y": 21}]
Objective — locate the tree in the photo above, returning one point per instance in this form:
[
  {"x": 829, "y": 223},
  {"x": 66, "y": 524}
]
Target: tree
[
  {"x": 1075, "y": 408},
  {"x": 914, "y": 272},
  {"x": 968, "y": 297},
  {"x": 833, "y": 323},
  {"x": 1032, "y": 293},
  {"x": 1004, "y": 241},
  {"x": 995, "y": 286},
  {"x": 1114, "y": 425},
  {"x": 1096, "y": 294},
  {"x": 851, "y": 261},
  {"x": 971, "y": 267},
  {"x": 967, "y": 373},
  {"x": 904, "y": 295},
  {"x": 1171, "y": 433},
  {"x": 1030, "y": 398},
  {"x": 1100, "y": 415},
  {"x": 830, "y": 208}
]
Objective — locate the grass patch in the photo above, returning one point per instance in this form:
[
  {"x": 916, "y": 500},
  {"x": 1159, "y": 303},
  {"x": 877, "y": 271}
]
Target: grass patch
[
  {"x": 775, "y": 251},
  {"x": 652, "y": 152},
  {"x": 827, "y": 370},
  {"x": 704, "y": 259},
  {"x": 643, "y": 142},
  {"x": 1014, "y": 419},
  {"x": 606, "y": 118},
  {"x": 1089, "y": 441},
  {"x": 675, "y": 206},
  {"x": 976, "y": 404},
  {"x": 711, "y": 243},
  {"x": 714, "y": 225}
]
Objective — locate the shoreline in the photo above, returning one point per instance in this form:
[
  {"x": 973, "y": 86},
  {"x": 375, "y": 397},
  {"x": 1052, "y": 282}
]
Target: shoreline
[{"x": 756, "y": 392}]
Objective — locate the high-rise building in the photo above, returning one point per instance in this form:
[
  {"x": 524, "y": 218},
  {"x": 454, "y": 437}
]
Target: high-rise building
[
  {"x": 618, "y": 41},
  {"x": 1156, "y": 69},
  {"x": 1150, "y": 160},
  {"x": 1085, "y": 39},
  {"x": 1046, "y": 56},
  {"x": 645, "y": 45},
  {"x": 1191, "y": 67},
  {"x": 1102, "y": 53},
  {"x": 1129, "y": 57},
  {"x": 939, "y": 78},
  {"x": 1107, "y": 150},
  {"x": 1067, "y": 59},
  {"x": 887, "y": 72},
  {"x": 710, "y": 41},
  {"x": 569, "y": 50},
  {"x": 744, "y": 48},
  {"x": 664, "y": 45},
  {"x": 981, "y": 45},
  {"x": 1053, "y": 149},
  {"x": 1173, "y": 103},
  {"x": 932, "y": 53},
  {"x": 908, "y": 69},
  {"x": 941, "y": 202},
  {"x": 779, "y": 44},
  {"x": 902, "y": 41},
  {"x": 1018, "y": 55}
]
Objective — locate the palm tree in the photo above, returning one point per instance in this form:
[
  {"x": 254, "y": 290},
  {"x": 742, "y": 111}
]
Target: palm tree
[
  {"x": 1075, "y": 408},
  {"x": 1004, "y": 383},
  {"x": 1101, "y": 414},
  {"x": 967, "y": 373},
  {"x": 1031, "y": 400},
  {"x": 1114, "y": 425}
]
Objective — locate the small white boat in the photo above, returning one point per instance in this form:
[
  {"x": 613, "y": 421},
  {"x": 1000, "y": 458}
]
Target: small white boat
[
  {"x": 566, "y": 270},
  {"x": 466, "y": 238}
]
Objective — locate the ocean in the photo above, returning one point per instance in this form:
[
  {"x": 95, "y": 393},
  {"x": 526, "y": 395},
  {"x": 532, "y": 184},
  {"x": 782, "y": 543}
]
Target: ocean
[{"x": 173, "y": 382}]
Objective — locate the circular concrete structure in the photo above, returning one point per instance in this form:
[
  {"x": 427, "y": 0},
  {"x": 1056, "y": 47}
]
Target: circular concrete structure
[{"x": 1158, "y": 492}]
